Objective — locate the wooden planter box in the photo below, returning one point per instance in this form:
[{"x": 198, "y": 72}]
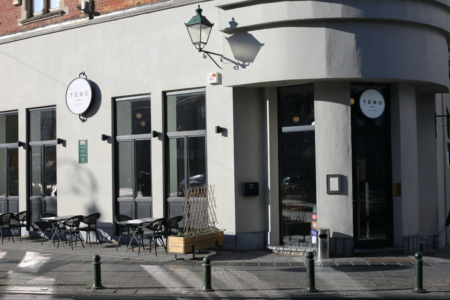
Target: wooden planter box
[{"x": 184, "y": 245}]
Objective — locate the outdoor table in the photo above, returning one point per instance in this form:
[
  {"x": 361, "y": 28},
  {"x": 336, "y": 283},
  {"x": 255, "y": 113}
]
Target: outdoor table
[
  {"x": 136, "y": 224},
  {"x": 54, "y": 221}
]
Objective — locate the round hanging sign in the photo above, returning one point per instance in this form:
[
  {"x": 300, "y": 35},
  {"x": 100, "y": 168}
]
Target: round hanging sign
[
  {"x": 372, "y": 103},
  {"x": 79, "y": 96}
]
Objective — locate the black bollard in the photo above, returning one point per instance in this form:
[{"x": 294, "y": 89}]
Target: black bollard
[
  {"x": 207, "y": 287},
  {"x": 418, "y": 273},
  {"x": 310, "y": 274},
  {"x": 97, "y": 273}
]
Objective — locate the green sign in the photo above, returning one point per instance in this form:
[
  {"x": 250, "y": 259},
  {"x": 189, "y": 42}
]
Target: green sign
[{"x": 82, "y": 152}]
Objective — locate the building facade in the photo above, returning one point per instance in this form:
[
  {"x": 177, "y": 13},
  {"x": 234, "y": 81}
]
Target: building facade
[{"x": 337, "y": 109}]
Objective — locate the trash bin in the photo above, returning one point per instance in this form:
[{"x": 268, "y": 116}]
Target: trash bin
[{"x": 323, "y": 241}]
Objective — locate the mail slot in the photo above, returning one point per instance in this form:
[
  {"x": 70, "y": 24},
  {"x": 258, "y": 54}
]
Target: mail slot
[{"x": 250, "y": 189}]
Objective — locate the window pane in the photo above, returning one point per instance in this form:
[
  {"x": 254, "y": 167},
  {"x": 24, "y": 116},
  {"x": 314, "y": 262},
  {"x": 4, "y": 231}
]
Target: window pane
[
  {"x": 2, "y": 172},
  {"x": 186, "y": 112},
  {"x": 50, "y": 171},
  {"x": 36, "y": 171},
  {"x": 176, "y": 168},
  {"x": 43, "y": 125},
  {"x": 197, "y": 162},
  {"x": 9, "y": 124},
  {"x": 143, "y": 169},
  {"x": 296, "y": 105},
  {"x": 125, "y": 169},
  {"x": 297, "y": 186},
  {"x": 37, "y": 6},
  {"x": 54, "y": 4},
  {"x": 13, "y": 167},
  {"x": 133, "y": 117}
]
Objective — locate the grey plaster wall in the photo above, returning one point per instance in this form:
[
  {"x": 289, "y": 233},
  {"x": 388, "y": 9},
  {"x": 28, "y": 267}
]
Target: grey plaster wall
[
  {"x": 405, "y": 159},
  {"x": 123, "y": 58},
  {"x": 343, "y": 40},
  {"x": 250, "y": 161},
  {"x": 426, "y": 147},
  {"x": 334, "y": 156}
]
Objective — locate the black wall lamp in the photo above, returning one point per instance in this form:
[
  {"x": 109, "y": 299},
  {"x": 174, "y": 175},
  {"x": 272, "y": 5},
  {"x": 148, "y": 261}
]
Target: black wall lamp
[
  {"x": 155, "y": 133},
  {"x": 59, "y": 141},
  {"x": 218, "y": 129},
  {"x": 199, "y": 29},
  {"x": 20, "y": 144},
  {"x": 104, "y": 137}
]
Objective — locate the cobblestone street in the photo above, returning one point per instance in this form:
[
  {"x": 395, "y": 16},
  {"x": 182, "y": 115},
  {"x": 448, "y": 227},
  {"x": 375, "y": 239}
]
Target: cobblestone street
[{"x": 28, "y": 268}]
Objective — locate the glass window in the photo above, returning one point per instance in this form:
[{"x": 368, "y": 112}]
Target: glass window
[
  {"x": 3, "y": 169},
  {"x": 197, "y": 161},
  {"x": 9, "y": 128},
  {"x": 36, "y": 171},
  {"x": 13, "y": 172},
  {"x": 143, "y": 169},
  {"x": 296, "y": 106},
  {"x": 50, "y": 171},
  {"x": 125, "y": 169},
  {"x": 176, "y": 168},
  {"x": 53, "y": 5},
  {"x": 186, "y": 112},
  {"x": 43, "y": 124},
  {"x": 133, "y": 117},
  {"x": 38, "y": 6}
]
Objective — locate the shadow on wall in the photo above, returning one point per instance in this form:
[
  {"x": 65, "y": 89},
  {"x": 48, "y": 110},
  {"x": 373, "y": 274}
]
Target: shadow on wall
[
  {"x": 82, "y": 183},
  {"x": 244, "y": 46}
]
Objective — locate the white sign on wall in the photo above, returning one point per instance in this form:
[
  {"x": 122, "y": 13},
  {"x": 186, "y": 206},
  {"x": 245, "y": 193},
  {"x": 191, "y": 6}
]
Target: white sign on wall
[
  {"x": 372, "y": 103},
  {"x": 79, "y": 96},
  {"x": 214, "y": 78}
]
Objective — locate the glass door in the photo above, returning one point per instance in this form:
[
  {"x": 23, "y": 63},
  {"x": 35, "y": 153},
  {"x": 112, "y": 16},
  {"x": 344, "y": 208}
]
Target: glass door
[
  {"x": 133, "y": 159},
  {"x": 43, "y": 163},
  {"x": 372, "y": 179},
  {"x": 186, "y": 146},
  {"x": 9, "y": 163},
  {"x": 297, "y": 165}
]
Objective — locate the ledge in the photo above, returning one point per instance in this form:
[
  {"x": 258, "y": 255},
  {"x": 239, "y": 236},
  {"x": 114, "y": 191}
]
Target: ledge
[{"x": 42, "y": 17}]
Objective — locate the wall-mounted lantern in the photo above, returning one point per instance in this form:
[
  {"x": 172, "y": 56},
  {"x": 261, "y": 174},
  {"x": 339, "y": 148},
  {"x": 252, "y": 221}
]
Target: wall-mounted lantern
[{"x": 199, "y": 29}]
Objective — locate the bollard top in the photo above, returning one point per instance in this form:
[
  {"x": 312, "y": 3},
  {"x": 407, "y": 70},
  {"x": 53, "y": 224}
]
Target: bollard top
[
  {"x": 96, "y": 258},
  {"x": 206, "y": 260},
  {"x": 309, "y": 255},
  {"x": 418, "y": 255}
]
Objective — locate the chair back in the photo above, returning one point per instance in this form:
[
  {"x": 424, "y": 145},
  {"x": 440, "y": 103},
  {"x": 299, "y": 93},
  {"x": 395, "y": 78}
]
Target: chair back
[
  {"x": 157, "y": 225},
  {"x": 91, "y": 219},
  {"x": 23, "y": 216},
  {"x": 6, "y": 218},
  {"x": 173, "y": 223},
  {"x": 121, "y": 218},
  {"x": 74, "y": 222}
]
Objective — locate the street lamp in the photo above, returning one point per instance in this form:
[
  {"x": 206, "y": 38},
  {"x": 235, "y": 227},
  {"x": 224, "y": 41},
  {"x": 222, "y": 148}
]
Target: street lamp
[{"x": 199, "y": 29}]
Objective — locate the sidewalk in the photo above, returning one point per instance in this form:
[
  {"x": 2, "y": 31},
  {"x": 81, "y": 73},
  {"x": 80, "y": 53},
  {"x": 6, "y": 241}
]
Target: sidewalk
[{"x": 28, "y": 268}]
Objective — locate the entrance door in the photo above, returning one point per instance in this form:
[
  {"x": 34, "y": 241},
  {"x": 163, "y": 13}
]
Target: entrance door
[
  {"x": 372, "y": 179},
  {"x": 133, "y": 159},
  {"x": 42, "y": 169}
]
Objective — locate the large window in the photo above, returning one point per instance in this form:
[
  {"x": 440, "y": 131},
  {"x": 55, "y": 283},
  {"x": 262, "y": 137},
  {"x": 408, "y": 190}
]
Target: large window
[
  {"x": 9, "y": 162},
  {"x": 133, "y": 160},
  {"x": 44, "y": 6},
  {"x": 297, "y": 164},
  {"x": 43, "y": 163},
  {"x": 186, "y": 145}
]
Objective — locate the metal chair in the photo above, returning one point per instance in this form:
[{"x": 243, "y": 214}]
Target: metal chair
[
  {"x": 171, "y": 226},
  {"x": 72, "y": 227},
  {"x": 91, "y": 222},
  {"x": 124, "y": 230},
  {"x": 154, "y": 232},
  {"x": 5, "y": 223},
  {"x": 20, "y": 220}
]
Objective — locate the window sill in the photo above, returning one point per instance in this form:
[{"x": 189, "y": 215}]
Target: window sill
[{"x": 45, "y": 16}]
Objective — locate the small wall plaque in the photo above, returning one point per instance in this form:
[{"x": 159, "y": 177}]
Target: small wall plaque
[
  {"x": 82, "y": 151},
  {"x": 334, "y": 184},
  {"x": 250, "y": 189}
]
